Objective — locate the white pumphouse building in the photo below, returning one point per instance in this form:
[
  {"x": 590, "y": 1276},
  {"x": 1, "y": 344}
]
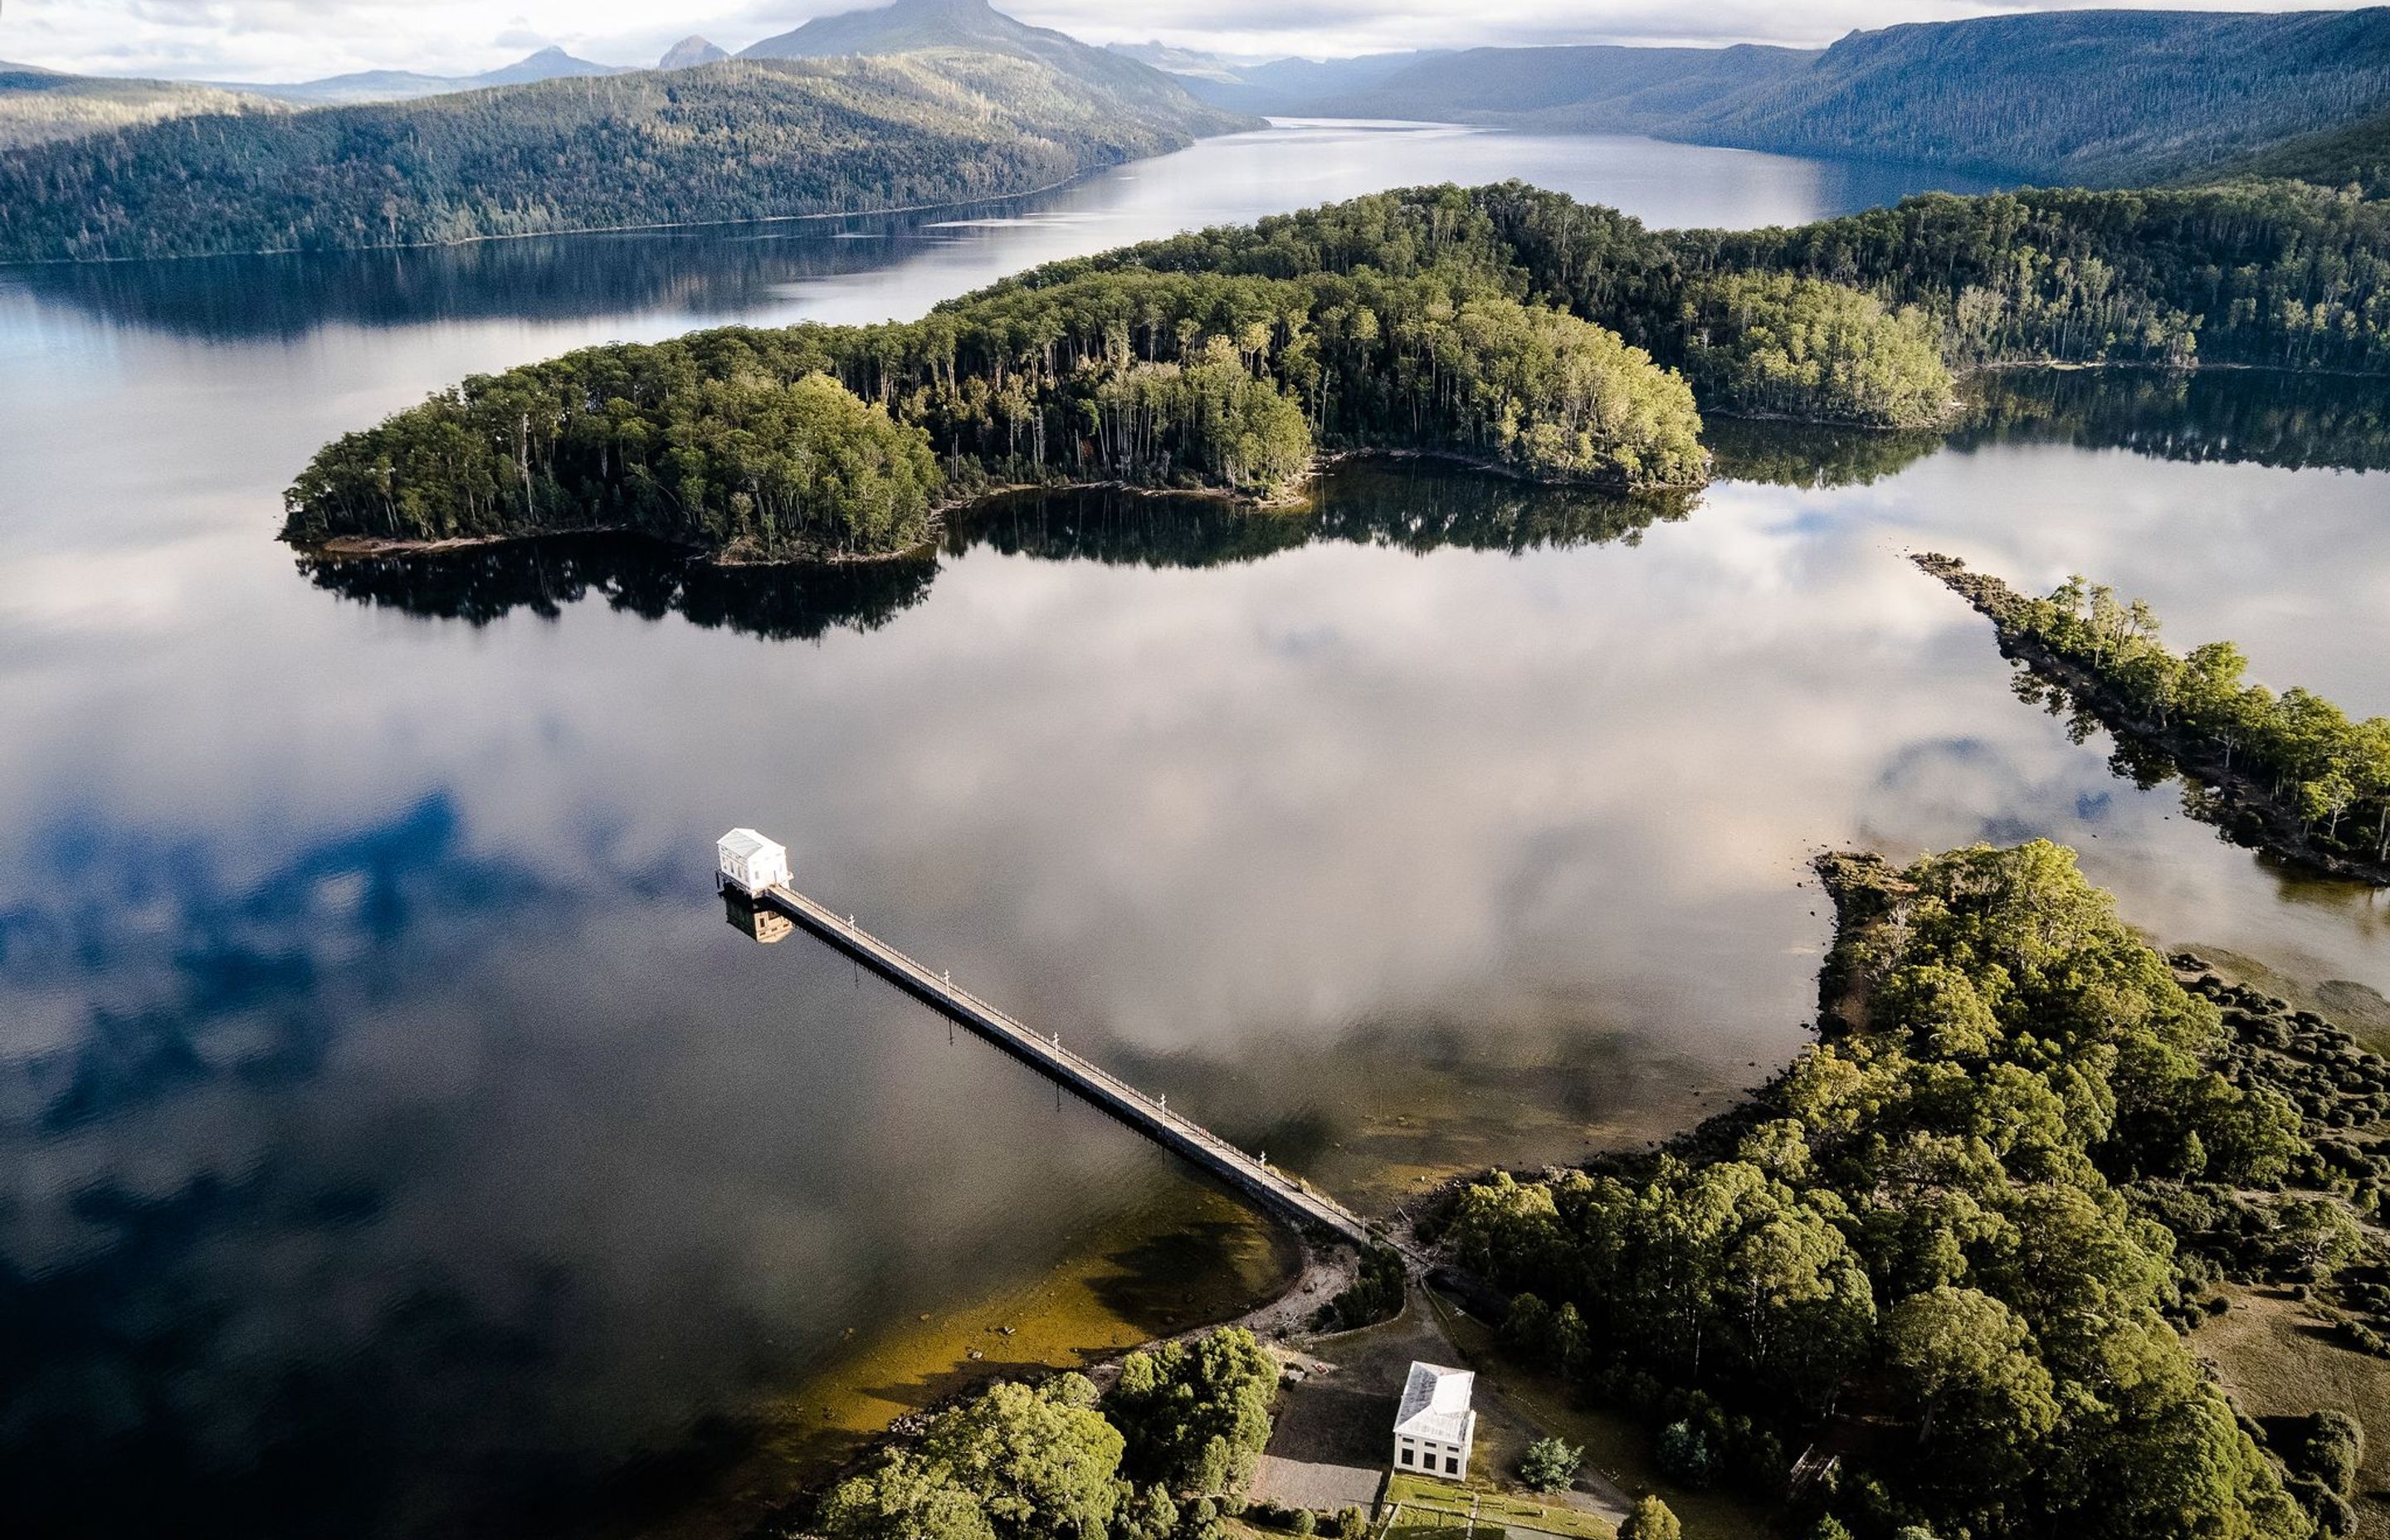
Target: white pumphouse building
[{"x": 1436, "y": 1429}]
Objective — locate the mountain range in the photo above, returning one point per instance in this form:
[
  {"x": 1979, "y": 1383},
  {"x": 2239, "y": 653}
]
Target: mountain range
[
  {"x": 2097, "y": 97},
  {"x": 372, "y": 85}
]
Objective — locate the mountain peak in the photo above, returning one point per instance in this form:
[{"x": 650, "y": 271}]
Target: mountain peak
[
  {"x": 691, "y": 51},
  {"x": 908, "y": 25}
]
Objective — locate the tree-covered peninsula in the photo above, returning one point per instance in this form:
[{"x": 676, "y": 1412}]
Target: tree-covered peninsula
[
  {"x": 2291, "y": 773},
  {"x": 1954, "y": 1253}
]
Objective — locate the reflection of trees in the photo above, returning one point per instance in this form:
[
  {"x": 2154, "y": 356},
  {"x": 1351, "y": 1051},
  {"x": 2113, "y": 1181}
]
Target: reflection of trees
[
  {"x": 1417, "y": 505},
  {"x": 561, "y": 277},
  {"x": 1424, "y": 505},
  {"x": 1128, "y": 529},
  {"x": 1814, "y": 456},
  {"x": 483, "y": 583},
  {"x": 2258, "y": 417}
]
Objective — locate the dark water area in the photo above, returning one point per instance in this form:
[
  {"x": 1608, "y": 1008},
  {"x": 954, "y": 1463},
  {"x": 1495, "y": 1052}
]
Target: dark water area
[{"x": 396, "y": 1139}]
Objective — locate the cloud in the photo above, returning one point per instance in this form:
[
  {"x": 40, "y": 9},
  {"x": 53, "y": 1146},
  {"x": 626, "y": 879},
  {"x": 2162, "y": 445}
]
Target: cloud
[{"x": 300, "y": 39}]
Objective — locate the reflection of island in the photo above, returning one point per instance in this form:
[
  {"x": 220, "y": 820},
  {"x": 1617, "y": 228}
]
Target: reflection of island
[
  {"x": 2225, "y": 417},
  {"x": 1417, "y": 505},
  {"x": 484, "y": 582}
]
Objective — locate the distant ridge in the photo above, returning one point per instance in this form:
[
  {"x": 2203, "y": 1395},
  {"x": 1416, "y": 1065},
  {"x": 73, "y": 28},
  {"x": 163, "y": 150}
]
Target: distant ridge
[
  {"x": 1596, "y": 86},
  {"x": 690, "y": 52},
  {"x": 373, "y": 86},
  {"x": 2105, "y": 98}
]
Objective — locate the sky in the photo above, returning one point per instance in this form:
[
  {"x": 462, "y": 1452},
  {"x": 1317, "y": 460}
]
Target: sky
[{"x": 287, "y": 39}]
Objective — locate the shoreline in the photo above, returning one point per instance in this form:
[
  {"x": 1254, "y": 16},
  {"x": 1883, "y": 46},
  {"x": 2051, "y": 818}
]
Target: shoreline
[
  {"x": 1297, "y": 494},
  {"x": 657, "y": 227}
]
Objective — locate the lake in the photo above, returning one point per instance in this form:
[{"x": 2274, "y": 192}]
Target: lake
[{"x": 400, "y": 1139}]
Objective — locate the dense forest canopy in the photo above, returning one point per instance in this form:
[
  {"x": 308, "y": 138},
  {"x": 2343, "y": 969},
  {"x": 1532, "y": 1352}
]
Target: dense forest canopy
[
  {"x": 1504, "y": 324},
  {"x": 729, "y": 141},
  {"x": 1128, "y": 375},
  {"x": 2275, "y": 274},
  {"x": 1930, "y": 1245}
]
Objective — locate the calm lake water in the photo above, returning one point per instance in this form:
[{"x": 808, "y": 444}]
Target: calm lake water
[{"x": 399, "y": 1141}]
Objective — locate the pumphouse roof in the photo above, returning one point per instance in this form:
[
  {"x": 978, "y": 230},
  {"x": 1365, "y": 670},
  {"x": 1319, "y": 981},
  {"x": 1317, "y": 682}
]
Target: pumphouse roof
[
  {"x": 1435, "y": 1404},
  {"x": 745, "y": 842}
]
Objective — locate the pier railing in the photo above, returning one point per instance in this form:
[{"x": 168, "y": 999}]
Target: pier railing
[{"x": 1287, "y": 1197}]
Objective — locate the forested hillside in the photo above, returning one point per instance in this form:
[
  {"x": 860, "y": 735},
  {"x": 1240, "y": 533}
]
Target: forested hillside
[
  {"x": 2104, "y": 97},
  {"x": 2357, "y": 155},
  {"x": 737, "y": 140},
  {"x": 2098, "y": 97},
  {"x": 40, "y": 106}
]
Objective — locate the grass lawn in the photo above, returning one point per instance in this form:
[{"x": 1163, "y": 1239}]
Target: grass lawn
[
  {"x": 1430, "y": 1506},
  {"x": 2277, "y": 1361}
]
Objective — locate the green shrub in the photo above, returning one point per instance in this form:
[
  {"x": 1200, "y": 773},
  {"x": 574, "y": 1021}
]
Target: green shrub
[{"x": 1549, "y": 1465}]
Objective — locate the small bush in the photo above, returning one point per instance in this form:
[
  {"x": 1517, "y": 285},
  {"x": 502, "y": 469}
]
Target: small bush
[
  {"x": 1549, "y": 1465},
  {"x": 2329, "y": 1449},
  {"x": 1650, "y": 1519}
]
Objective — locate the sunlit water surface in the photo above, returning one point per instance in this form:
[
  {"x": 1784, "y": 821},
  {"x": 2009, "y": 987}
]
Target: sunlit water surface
[{"x": 397, "y": 1138}]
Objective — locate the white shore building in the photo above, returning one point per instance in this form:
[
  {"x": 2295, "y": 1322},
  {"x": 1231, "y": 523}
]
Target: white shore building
[
  {"x": 750, "y": 862},
  {"x": 1436, "y": 1429}
]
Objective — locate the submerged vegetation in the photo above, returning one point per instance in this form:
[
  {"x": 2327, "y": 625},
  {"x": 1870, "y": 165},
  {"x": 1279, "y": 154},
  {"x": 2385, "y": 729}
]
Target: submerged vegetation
[
  {"x": 1947, "y": 1252},
  {"x": 2291, "y": 773}
]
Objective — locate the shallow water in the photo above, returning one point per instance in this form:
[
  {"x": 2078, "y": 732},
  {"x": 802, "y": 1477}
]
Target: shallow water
[{"x": 397, "y": 1138}]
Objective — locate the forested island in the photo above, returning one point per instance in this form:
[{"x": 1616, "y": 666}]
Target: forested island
[
  {"x": 2289, "y": 772},
  {"x": 1953, "y": 1251},
  {"x": 1503, "y": 323}
]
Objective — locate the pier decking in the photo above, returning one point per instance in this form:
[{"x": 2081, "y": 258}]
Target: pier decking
[{"x": 1281, "y": 1196}]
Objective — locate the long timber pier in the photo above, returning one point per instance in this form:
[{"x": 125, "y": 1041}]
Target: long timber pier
[{"x": 1281, "y": 1196}]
